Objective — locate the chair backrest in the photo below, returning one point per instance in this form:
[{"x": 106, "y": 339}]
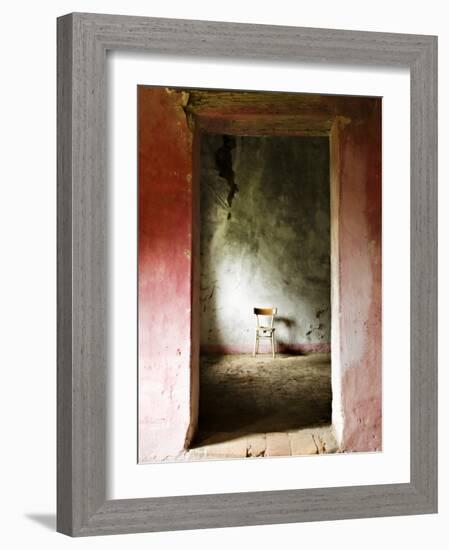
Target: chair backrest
[{"x": 265, "y": 312}]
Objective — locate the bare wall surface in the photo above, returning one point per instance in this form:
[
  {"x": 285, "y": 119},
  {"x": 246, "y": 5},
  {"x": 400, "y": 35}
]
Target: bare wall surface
[
  {"x": 360, "y": 266},
  {"x": 265, "y": 240},
  {"x": 165, "y": 286}
]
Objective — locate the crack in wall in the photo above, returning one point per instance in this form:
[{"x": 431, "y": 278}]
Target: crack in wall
[{"x": 223, "y": 162}]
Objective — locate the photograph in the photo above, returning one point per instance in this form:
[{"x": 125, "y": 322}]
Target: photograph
[
  {"x": 247, "y": 290},
  {"x": 259, "y": 274},
  {"x": 222, "y": 234}
]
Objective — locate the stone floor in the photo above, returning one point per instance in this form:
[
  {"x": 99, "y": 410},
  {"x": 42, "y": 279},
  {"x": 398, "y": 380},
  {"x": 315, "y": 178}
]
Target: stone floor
[{"x": 253, "y": 407}]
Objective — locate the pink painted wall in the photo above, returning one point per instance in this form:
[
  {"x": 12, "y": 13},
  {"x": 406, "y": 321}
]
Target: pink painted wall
[
  {"x": 165, "y": 283},
  {"x": 360, "y": 281}
]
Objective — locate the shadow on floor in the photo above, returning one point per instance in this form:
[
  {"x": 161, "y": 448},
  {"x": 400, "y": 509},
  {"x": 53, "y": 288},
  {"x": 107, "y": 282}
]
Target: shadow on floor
[
  {"x": 242, "y": 395},
  {"x": 46, "y": 520}
]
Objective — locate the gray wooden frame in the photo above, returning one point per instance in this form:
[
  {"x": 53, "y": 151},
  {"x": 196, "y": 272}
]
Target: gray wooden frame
[{"x": 83, "y": 40}]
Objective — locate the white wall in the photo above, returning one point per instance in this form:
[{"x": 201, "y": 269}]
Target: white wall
[{"x": 27, "y": 300}]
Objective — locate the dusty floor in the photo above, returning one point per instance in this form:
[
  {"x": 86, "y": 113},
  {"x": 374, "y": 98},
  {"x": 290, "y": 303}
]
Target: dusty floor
[{"x": 264, "y": 407}]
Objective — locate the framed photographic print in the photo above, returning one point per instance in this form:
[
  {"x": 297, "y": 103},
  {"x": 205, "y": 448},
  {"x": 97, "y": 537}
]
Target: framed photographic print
[{"x": 230, "y": 265}]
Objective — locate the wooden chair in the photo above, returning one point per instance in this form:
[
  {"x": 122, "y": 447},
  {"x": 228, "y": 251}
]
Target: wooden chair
[{"x": 265, "y": 330}]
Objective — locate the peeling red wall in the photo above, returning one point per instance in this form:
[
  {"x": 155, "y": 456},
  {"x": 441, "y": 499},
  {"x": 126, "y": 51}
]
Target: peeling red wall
[
  {"x": 360, "y": 281},
  {"x": 165, "y": 284}
]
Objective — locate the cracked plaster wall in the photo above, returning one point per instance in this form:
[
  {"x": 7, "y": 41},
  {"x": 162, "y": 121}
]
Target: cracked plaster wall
[{"x": 265, "y": 240}]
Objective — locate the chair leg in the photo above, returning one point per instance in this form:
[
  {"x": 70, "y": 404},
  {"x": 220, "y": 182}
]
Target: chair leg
[
  {"x": 255, "y": 345},
  {"x": 272, "y": 345}
]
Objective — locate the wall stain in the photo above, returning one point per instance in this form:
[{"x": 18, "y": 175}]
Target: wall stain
[
  {"x": 320, "y": 312},
  {"x": 223, "y": 161}
]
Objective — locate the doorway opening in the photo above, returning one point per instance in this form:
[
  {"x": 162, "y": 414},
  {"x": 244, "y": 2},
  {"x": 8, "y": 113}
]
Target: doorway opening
[{"x": 264, "y": 242}]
